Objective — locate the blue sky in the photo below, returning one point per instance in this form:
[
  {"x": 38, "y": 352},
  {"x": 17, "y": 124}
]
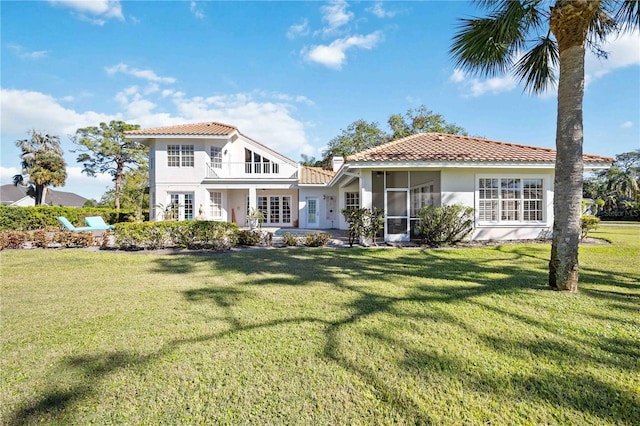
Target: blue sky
[{"x": 288, "y": 74}]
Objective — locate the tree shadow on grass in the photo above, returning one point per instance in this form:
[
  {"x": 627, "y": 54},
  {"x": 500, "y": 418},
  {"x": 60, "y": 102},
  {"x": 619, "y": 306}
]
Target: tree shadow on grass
[{"x": 412, "y": 278}]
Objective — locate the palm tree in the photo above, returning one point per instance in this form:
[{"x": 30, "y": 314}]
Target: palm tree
[
  {"x": 42, "y": 165},
  {"x": 623, "y": 184},
  {"x": 493, "y": 45}
]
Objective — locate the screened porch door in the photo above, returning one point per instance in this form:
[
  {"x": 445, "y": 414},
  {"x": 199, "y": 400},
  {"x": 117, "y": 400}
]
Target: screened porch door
[{"x": 396, "y": 227}]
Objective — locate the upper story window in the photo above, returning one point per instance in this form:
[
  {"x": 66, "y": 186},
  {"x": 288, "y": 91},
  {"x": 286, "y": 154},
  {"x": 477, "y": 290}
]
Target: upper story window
[
  {"x": 216, "y": 157},
  {"x": 510, "y": 200},
  {"x": 255, "y": 163},
  {"x": 180, "y": 156}
]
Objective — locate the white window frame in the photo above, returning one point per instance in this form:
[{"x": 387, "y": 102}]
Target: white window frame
[
  {"x": 180, "y": 155},
  {"x": 500, "y": 200},
  {"x": 182, "y": 203},
  {"x": 216, "y": 157},
  {"x": 352, "y": 200},
  {"x": 215, "y": 204}
]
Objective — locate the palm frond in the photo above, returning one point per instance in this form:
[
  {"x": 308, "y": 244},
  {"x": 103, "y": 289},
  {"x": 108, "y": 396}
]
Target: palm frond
[
  {"x": 628, "y": 15},
  {"x": 488, "y": 46},
  {"x": 536, "y": 69},
  {"x": 600, "y": 27}
]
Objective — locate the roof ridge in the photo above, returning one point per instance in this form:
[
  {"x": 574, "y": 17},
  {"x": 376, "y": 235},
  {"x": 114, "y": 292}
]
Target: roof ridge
[{"x": 202, "y": 123}]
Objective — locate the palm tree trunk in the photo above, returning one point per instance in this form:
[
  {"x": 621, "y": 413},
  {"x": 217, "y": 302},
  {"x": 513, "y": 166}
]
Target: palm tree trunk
[
  {"x": 119, "y": 171},
  {"x": 569, "y": 23}
]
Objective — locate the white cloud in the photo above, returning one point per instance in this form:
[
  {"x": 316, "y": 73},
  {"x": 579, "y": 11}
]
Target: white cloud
[
  {"x": 148, "y": 75},
  {"x": 265, "y": 116},
  {"x": 196, "y": 10},
  {"x": 24, "y": 54},
  {"x": 23, "y": 110},
  {"x": 7, "y": 173},
  {"x": 297, "y": 30},
  {"x": 334, "y": 55},
  {"x": 627, "y": 125},
  {"x": 622, "y": 52},
  {"x": 378, "y": 10},
  {"x": 335, "y": 15},
  {"x": 95, "y": 11},
  {"x": 474, "y": 87},
  {"x": 458, "y": 76}
]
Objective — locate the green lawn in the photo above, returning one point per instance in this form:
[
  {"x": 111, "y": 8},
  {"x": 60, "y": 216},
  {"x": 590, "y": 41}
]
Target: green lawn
[{"x": 321, "y": 336}]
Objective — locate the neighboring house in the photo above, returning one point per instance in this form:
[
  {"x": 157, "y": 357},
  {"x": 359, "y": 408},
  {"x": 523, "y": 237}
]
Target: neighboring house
[
  {"x": 12, "y": 195},
  {"x": 227, "y": 174}
]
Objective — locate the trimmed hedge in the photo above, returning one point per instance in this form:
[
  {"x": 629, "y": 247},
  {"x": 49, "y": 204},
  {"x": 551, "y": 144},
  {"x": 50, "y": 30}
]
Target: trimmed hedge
[
  {"x": 46, "y": 217},
  {"x": 188, "y": 234}
]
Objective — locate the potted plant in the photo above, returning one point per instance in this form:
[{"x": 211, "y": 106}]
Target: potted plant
[{"x": 255, "y": 218}]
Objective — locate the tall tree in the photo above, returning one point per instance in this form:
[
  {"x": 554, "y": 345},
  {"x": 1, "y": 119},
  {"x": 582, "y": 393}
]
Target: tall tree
[
  {"x": 105, "y": 149},
  {"x": 42, "y": 165},
  {"x": 135, "y": 190},
  {"x": 492, "y": 45},
  {"x": 361, "y": 135},
  {"x": 358, "y": 136},
  {"x": 421, "y": 120}
]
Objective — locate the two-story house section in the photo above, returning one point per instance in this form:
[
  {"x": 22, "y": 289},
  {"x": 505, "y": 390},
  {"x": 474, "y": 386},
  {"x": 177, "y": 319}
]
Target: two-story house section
[{"x": 212, "y": 171}]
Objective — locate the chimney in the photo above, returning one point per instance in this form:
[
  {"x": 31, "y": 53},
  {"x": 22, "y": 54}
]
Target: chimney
[{"x": 336, "y": 163}]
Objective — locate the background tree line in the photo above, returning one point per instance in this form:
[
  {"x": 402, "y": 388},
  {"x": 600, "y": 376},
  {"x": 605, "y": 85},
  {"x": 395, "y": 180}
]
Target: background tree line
[
  {"x": 361, "y": 135},
  {"x": 101, "y": 149},
  {"x": 617, "y": 190}
]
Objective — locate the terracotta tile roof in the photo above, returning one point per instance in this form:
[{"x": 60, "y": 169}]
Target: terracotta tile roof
[
  {"x": 194, "y": 129},
  {"x": 315, "y": 175},
  {"x": 437, "y": 147}
]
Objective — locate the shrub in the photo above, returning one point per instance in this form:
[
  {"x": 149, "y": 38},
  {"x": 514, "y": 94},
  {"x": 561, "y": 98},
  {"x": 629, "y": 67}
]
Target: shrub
[
  {"x": 46, "y": 217},
  {"x": 444, "y": 225},
  {"x": 363, "y": 223},
  {"x": 588, "y": 223},
  {"x": 40, "y": 238},
  {"x": 318, "y": 239},
  {"x": 73, "y": 239},
  {"x": 13, "y": 239},
  {"x": 289, "y": 239},
  {"x": 248, "y": 238},
  {"x": 189, "y": 234}
]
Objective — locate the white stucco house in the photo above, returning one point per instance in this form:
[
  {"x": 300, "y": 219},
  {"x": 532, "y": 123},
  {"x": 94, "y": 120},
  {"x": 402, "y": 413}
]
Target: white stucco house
[{"x": 212, "y": 171}]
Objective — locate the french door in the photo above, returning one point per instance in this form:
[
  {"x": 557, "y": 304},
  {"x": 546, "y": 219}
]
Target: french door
[{"x": 276, "y": 209}]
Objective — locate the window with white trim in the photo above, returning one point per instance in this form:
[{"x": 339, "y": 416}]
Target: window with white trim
[
  {"x": 215, "y": 203},
  {"x": 216, "y": 157},
  {"x": 180, "y": 156},
  {"x": 510, "y": 199},
  {"x": 351, "y": 200}
]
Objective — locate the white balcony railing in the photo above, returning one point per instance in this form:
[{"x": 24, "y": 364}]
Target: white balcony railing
[{"x": 245, "y": 170}]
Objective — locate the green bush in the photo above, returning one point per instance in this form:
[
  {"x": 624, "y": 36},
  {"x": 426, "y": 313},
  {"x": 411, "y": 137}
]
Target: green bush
[
  {"x": 46, "y": 217},
  {"x": 588, "y": 223},
  {"x": 444, "y": 225},
  {"x": 318, "y": 239},
  {"x": 189, "y": 234},
  {"x": 363, "y": 223},
  {"x": 249, "y": 238},
  {"x": 289, "y": 239}
]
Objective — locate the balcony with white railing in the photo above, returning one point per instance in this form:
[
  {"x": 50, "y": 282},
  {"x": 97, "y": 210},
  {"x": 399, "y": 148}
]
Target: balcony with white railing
[{"x": 249, "y": 170}]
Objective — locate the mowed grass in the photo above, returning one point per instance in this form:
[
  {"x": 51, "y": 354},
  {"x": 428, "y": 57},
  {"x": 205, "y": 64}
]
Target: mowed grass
[{"x": 321, "y": 336}]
